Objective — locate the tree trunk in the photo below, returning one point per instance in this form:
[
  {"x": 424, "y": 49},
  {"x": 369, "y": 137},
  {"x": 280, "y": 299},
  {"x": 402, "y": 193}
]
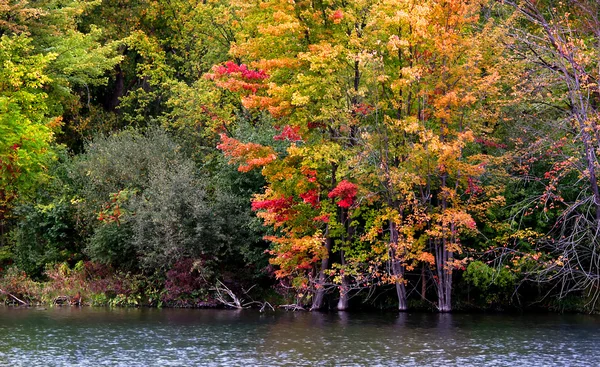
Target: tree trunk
[
  {"x": 444, "y": 274},
  {"x": 423, "y": 283},
  {"x": 343, "y": 301},
  {"x": 320, "y": 286},
  {"x": 118, "y": 90},
  {"x": 397, "y": 268}
]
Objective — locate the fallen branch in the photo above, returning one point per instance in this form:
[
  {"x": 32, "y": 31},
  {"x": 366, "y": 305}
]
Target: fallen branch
[
  {"x": 229, "y": 299},
  {"x": 226, "y": 296},
  {"x": 15, "y": 298},
  {"x": 262, "y": 309},
  {"x": 292, "y": 307}
]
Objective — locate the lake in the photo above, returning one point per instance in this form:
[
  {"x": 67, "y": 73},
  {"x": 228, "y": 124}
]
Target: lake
[{"x": 176, "y": 337}]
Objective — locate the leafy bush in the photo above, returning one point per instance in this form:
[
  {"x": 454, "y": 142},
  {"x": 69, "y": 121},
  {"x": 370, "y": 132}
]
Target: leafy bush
[
  {"x": 493, "y": 285},
  {"x": 148, "y": 206}
]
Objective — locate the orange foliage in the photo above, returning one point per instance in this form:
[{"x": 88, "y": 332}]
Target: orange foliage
[{"x": 248, "y": 155}]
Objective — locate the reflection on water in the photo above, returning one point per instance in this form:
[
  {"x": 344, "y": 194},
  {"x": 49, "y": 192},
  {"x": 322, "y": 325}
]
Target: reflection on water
[{"x": 150, "y": 337}]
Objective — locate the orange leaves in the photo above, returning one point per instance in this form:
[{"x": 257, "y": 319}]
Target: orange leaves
[
  {"x": 337, "y": 16},
  {"x": 426, "y": 257},
  {"x": 248, "y": 155}
]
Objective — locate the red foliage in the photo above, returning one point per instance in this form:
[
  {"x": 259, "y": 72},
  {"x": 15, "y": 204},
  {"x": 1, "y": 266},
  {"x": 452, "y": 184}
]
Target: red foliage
[
  {"x": 346, "y": 192},
  {"x": 237, "y": 78},
  {"x": 310, "y": 174},
  {"x": 311, "y": 197},
  {"x": 473, "y": 188},
  {"x": 363, "y": 109},
  {"x": 289, "y": 133},
  {"x": 181, "y": 283},
  {"x": 231, "y": 68},
  {"x": 489, "y": 143},
  {"x": 280, "y": 207},
  {"x": 314, "y": 125},
  {"x": 322, "y": 218}
]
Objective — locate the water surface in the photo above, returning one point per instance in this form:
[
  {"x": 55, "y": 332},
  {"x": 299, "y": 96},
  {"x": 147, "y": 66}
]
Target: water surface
[{"x": 150, "y": 337}]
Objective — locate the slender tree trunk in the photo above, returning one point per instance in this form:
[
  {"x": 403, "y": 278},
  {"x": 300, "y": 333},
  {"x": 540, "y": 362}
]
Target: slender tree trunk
[
  {"x": 397, "y": 268},
  {"x": 343, "y": 301},
  {"x": 320, "y": 291},
  {"x": 444, "y": 274},
  {"x": 320, "y": 286},
  {"x": 423, "y": 283}
]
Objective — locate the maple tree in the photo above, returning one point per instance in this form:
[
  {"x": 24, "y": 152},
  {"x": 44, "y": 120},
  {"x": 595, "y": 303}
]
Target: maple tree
[{"x": 415, "y": 124}]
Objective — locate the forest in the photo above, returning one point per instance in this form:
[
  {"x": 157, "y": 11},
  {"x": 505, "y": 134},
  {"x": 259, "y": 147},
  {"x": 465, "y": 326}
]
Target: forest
[{"x": 313, "y": 154}]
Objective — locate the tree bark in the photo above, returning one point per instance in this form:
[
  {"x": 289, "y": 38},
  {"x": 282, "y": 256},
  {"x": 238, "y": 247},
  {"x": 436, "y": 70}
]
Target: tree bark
[
  {"x": 343, "y": 301},
  {"x": 397, "y": 268},
  {"x": 320, "y": 291},
  {"x": 444, "y": 274}
]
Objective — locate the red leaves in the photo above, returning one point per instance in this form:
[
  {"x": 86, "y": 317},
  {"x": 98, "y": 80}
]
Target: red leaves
[
  {"x": 363, "y": 109},
  {"x": 337, "y": 16},
  {"x": 322, "y": 218},
  {"x": 235, "y": 78},
  {"x": 231, "y": 68},
  {"x": 310, "y": 174},
  {"x": 472, "y": 187},
  {"x": 280, "y": 207},
  {"x": 346, "y": 192},
  {"x": 289, "y": 133},
  {"x": 311, "y": 197},
  {"x": 272, "y": 204},
  {"x": 490, "y": 143}
]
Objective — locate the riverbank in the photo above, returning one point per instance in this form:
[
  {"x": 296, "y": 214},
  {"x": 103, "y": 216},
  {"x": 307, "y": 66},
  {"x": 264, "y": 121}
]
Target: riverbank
[{"x": 92, "y": 284}]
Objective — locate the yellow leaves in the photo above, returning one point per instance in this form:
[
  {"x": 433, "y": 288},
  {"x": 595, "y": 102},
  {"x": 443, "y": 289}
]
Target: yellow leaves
[
  {"x": 395, "y": 43},
  {"x": 411, "y": 125},
  {"x": 280, "y": 29},
  {"x": 299, "y": 100},
  {"x": 296, "y": 255},
  {"x": 322, "y": 56},
  {"x": 275, "y": 64}
]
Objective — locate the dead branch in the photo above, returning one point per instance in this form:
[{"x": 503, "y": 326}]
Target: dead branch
[
  {"x": 226, "y": 296},
  {"x": 292, "y": 307},
  {"x": 13, "y": 297}
]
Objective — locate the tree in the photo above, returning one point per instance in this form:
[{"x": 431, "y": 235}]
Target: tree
[
  {"x": 558, "y": 44},
  {"x": 26, "y": 130},
  {"x": 404, "y": 86}
]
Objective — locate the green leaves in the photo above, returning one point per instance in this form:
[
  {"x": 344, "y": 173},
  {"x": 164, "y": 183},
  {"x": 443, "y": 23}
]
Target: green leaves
[{"x": 25, "y": 129}]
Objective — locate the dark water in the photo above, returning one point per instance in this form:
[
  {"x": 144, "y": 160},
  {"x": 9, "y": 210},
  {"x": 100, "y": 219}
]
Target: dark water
[{"x": 149, "y": 337}]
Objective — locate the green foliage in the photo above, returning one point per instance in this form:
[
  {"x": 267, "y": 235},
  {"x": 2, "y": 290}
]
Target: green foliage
[
  {"x": 47, "y": 229},
  {"x": 167, "y": 210},
  {"x": 44, "y": 234},
  {"x": 493, "y": 286},
  {"x": 25, "y": 129},
  {"x": 483, "y": 277}
]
